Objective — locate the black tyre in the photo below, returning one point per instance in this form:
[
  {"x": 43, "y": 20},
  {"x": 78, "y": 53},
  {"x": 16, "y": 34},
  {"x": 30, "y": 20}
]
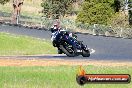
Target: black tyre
[
  {"x": 60, "y": 51},
  {"x": 71, "y": 52},
  {"x": 86, "y": 53},
  {"x": 54, "y": 43}
]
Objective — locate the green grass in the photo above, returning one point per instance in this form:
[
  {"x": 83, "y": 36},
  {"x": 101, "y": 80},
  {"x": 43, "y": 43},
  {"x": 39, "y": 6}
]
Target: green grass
[
  {"x": 22, "y": 45},
  {"x": 55, "y": 77}
]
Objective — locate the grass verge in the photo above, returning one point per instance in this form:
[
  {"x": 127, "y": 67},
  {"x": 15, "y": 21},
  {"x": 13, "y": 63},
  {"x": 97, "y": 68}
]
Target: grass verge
[
  {"x": 22, "y": 45},
  {"x": 55, "y": 77}
]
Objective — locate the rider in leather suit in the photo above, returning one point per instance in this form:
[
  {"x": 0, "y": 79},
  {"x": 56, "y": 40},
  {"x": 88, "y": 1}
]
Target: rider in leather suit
[{"x": 55, "y": 30}]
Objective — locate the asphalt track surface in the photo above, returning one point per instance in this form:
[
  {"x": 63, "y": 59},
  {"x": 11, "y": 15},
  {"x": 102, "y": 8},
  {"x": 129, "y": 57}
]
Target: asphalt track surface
[{"x": 106, "y": 48}]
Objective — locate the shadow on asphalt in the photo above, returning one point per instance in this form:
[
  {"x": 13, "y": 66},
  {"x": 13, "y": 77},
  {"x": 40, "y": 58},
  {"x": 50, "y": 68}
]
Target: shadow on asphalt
[{"x": 64, "y": 57}]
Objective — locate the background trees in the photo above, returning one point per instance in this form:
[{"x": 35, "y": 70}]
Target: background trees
[
  {"x": 91, "y": 11},
  {"x": 56, "y": 8},
  {"x": 4, "y": 1},
  {"x": 130, "y": 12},
  {"x": 98, "y": 11}
]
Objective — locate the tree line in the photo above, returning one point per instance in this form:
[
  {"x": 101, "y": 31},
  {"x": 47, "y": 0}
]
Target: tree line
[
  {"x": 4, "y": 1},
  {"x": 90, "y": 11}
]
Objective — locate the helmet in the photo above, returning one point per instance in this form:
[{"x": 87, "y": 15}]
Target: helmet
[{"x": 55, "y": 26}]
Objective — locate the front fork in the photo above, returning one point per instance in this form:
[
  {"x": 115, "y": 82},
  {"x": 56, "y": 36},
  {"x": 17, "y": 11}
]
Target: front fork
[{"x": 84, "y": 47}]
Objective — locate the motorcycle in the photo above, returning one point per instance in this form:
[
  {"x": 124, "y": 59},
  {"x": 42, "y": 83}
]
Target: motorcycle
[{"x": 68, "y": 44}]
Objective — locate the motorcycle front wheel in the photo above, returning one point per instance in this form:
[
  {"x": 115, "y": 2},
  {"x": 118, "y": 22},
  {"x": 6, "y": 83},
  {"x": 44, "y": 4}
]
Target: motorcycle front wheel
[{"x": 86, "y": 53}]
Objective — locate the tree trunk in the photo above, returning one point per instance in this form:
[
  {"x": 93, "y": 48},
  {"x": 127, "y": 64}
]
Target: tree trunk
[{"x": 16, "y": 11}]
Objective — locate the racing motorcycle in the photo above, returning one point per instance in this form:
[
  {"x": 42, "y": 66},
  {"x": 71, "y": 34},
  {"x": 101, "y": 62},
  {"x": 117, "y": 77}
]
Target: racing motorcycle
[{"x": 68, "y": 44}]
